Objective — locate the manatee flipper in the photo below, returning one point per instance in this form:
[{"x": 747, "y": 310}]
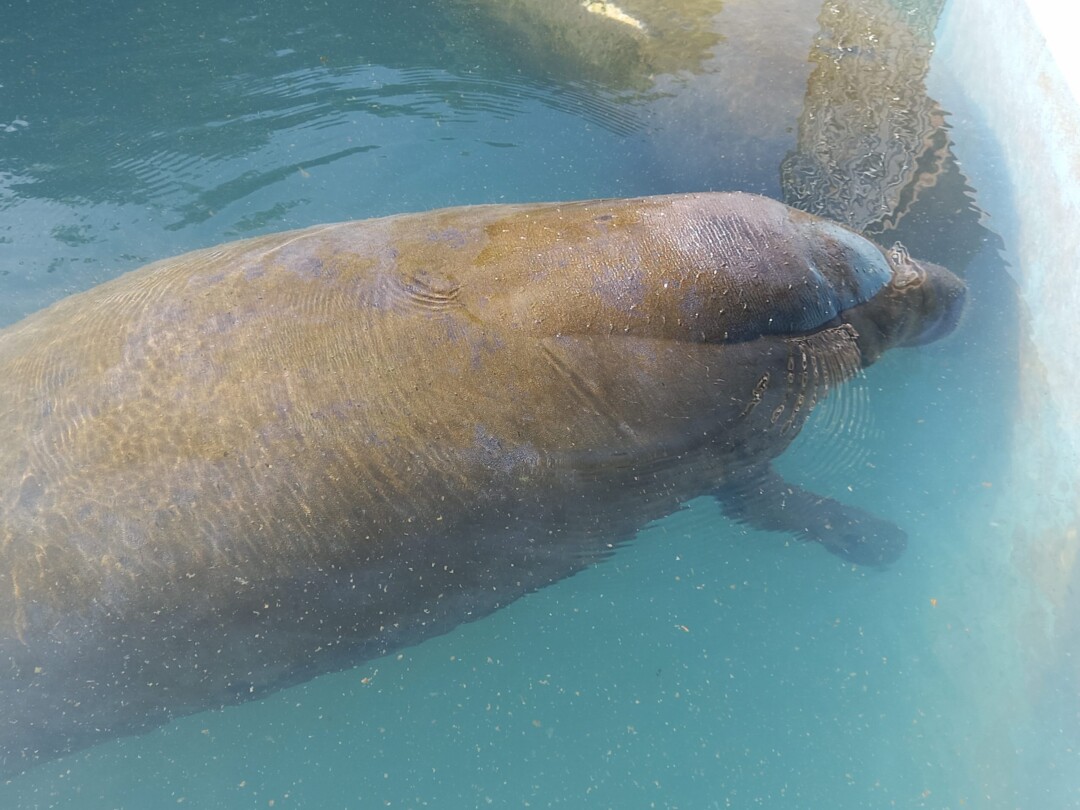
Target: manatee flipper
[{"x": 764, "y": 500}]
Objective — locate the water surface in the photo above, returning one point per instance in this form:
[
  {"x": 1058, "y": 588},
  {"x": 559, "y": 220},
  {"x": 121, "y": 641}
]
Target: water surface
[{"x": 705, "y": 665}]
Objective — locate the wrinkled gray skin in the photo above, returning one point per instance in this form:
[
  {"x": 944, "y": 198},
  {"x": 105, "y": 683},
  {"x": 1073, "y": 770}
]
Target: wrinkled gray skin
[{"x": 231, "y": 471}]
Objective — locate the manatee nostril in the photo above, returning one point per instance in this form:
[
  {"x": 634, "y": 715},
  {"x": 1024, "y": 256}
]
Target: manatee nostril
[
  {"x": 906, "y": 271},
  {"x": 907, "y": 277}
]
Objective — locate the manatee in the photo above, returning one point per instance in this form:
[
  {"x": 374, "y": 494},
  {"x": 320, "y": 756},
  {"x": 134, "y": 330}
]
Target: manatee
[{"x": 229, "y": 472}]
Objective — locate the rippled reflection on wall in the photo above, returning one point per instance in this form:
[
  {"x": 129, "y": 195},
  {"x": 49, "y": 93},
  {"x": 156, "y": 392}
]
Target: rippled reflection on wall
[{"x": 870, "y": 139}]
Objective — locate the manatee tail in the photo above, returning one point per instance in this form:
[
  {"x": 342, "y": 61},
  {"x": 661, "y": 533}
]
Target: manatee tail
[{"x": 766, "y": 501}]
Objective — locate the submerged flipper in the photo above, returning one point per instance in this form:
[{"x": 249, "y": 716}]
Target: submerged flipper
[{"x": 766, "y": 501}]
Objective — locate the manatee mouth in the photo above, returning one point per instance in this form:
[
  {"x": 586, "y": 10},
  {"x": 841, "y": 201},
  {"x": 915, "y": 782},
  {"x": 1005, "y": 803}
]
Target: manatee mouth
[{"x": 941, "y": 326}]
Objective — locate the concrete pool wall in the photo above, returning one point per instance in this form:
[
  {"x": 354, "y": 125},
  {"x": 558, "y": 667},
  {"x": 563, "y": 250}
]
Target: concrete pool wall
[{"x": 1013, "y": 63}]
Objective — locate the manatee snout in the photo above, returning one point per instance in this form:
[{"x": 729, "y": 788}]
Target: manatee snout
[
  {"x": 921, "y": 303},
  {"x": 943, "y": 296}
]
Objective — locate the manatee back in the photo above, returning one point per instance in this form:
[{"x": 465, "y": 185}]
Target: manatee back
[{"x": 711, "y": 267}]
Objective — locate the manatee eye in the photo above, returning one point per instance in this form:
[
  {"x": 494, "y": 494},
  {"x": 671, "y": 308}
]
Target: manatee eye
[{"x": 905, "y": 271}]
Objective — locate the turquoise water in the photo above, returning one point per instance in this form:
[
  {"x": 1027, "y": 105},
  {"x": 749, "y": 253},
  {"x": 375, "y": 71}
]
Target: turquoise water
[{"x": 705, "y": 665}]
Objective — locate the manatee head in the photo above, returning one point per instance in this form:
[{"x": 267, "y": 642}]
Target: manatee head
[
  {"x": 922, "y": 302},
  {"x": 939, "y": 293},
  {"x": 744, "y": 266}
]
